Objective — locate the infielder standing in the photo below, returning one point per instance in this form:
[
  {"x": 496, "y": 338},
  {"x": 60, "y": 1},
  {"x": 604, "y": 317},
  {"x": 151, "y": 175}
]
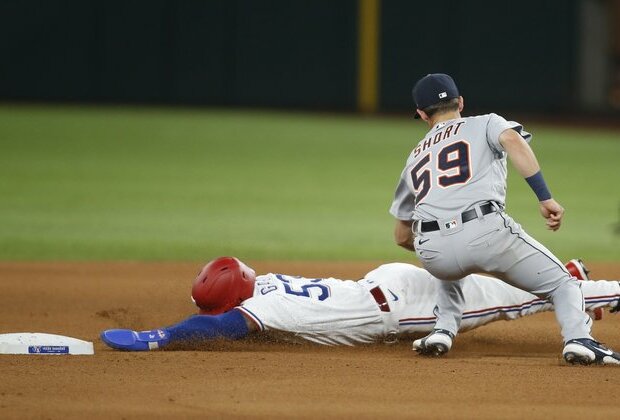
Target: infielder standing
[
  {"x": 450, "y": 209},
  {"x": 391, "y": 300}
]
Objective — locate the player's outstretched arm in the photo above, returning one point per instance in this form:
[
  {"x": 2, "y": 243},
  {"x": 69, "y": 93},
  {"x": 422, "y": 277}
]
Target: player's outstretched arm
[
  {"x": 232, "y": 325},
  {"x": 519, "y": 152},
  {"x": 523, "y": 159}
]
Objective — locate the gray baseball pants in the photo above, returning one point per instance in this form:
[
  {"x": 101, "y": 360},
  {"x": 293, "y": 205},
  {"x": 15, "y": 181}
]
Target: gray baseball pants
[{"x": 497, "y": 245}]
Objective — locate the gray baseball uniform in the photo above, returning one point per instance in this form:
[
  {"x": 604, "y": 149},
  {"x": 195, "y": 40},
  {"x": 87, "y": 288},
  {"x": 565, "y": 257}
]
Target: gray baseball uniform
[{"x": 454, "y": 187}]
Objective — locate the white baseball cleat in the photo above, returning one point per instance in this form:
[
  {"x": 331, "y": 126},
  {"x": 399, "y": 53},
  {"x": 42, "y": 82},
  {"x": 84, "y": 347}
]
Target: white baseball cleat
[
  {"x": 437, "y": 343},
  {"x": 585, "y": 351},
  {"x": 578, "y": 270}
]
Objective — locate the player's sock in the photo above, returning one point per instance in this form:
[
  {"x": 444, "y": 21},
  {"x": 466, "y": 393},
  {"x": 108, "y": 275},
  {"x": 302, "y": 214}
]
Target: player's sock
[{"x": 230, "y": 325}]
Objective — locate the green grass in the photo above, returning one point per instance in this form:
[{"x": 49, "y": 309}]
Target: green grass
[{"x": 176, "y": 184}]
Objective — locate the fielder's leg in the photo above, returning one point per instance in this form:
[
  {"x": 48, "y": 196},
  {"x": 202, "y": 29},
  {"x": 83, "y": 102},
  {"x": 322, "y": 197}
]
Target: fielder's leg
[
  {"x": 438, "y": 257},
  {"x": 532, "y": 267},
  {"x": 540, "y": 272},
  {"x": 449, "y": 311}
]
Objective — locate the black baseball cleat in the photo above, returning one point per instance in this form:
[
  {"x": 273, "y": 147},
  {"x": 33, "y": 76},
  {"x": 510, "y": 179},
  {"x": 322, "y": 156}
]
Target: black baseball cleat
[
  {"x": 585, "y": 351},
  {"x": 436, "y": 344}
]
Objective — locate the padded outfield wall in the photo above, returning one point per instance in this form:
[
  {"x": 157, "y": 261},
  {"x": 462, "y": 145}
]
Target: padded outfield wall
[{"x": 281, "y": 53}]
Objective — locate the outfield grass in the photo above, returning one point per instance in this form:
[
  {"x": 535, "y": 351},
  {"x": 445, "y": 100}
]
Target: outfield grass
[{"x": 175, "y": 184}]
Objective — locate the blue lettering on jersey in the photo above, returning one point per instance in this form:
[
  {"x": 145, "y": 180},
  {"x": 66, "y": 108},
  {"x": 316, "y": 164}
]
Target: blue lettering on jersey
[
  {"x": 267, "y": 289},
  {"x": 305, "y": 289},
  {"x": 265, "y": 286}
]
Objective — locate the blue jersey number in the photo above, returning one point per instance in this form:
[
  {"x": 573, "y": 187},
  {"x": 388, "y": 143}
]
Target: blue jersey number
[{"x": 304, "y": 289}]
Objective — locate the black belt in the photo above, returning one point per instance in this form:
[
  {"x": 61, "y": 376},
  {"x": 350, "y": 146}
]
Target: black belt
[
  {"x": 466, "y": 216},
  {"x": 380, "y": 298}
]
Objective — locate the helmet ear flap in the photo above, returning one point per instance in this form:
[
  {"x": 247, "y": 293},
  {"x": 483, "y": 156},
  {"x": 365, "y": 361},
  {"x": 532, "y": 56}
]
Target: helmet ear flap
[{"x": 222, "y": 284}]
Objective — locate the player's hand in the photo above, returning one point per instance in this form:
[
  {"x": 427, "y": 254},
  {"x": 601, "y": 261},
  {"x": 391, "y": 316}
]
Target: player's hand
[{"x": 553, "y": 212}]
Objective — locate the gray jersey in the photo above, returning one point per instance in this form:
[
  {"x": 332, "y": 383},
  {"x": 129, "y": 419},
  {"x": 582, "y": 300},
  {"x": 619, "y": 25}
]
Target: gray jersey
[{"x": 457, "y": 164}]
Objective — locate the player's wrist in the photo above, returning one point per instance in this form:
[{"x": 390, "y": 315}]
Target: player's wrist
[{"x": 539, "y": 186}]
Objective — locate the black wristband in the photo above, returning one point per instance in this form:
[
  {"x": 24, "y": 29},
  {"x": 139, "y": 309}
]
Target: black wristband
[{"x": 539, "y": 186}]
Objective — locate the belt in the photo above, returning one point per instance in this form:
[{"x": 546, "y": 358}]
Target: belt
[
  {"x": 466, "y": 216},
  {"x": 380, "y": 298}
]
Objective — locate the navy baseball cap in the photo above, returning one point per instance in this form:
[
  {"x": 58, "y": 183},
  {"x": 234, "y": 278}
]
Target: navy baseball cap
[{"x": 432, "y": 89}]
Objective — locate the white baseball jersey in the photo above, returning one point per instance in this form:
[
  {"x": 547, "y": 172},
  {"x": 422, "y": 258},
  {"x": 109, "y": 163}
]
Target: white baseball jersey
[
  {"x": 331, "y": 311},
  {"x": 445, "y": 159},
  {"x": 326, "y": 311}
]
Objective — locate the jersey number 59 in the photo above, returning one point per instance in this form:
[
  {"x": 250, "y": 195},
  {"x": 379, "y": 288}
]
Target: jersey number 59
[{"x": 453, "y": 167}]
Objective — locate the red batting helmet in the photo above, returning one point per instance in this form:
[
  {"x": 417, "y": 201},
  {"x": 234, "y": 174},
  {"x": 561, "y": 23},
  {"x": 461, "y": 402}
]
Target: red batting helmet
[{"x": 223, "y": 284}]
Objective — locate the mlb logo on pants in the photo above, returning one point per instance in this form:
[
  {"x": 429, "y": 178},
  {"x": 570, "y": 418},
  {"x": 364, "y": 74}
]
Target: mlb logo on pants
[{"x": 451, "y": 224}]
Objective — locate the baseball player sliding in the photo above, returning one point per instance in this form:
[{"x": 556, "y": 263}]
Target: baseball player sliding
[
  {"x": 391, "y": 300},
  {"x": 449, "y": 203}
]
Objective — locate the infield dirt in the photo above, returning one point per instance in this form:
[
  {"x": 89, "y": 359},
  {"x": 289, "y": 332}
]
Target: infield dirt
[{"x": 504, "y": 370}]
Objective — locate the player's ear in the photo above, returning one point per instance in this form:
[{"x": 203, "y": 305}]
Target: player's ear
[
  {"x": 461, "y": 103},
  {"x": 422, "y": 115}
]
